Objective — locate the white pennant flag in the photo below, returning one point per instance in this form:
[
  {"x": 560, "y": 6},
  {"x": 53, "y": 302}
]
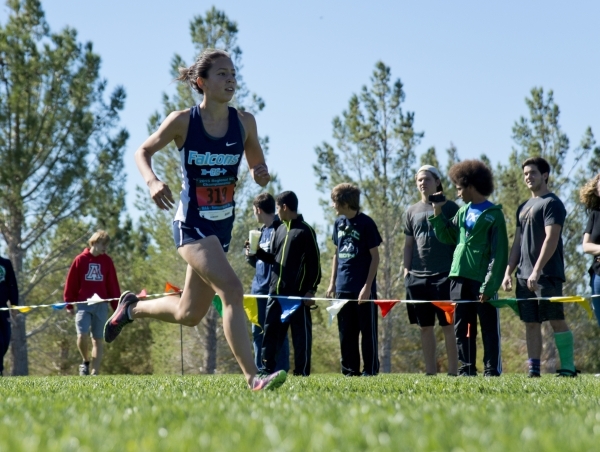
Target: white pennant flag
[
  {"x": 334, "y": 309},
  {"x": 94, "y": 299}
]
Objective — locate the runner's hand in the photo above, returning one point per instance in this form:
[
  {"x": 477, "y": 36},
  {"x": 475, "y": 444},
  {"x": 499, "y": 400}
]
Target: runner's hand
[
  {"x": 507, "y": 283},
  {"x": 483, "y": 298},
  {"x": 161, "y": 194},
  {"x": 260, "y": 174}
]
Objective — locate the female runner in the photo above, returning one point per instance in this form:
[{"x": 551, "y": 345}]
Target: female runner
[{"x": 211, "y": 138}]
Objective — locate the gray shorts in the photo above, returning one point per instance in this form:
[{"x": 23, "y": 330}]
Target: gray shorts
[{"x": 91, "y": 316}]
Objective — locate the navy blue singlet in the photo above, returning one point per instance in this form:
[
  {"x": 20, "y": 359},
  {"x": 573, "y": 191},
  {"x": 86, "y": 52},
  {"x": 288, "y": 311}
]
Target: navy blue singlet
[{"x": 209, "y": 168}]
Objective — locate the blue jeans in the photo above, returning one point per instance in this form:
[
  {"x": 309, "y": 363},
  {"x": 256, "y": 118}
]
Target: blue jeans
[
  {"x": 595, "y": 283},
  {"x": 283, "y": 358}
]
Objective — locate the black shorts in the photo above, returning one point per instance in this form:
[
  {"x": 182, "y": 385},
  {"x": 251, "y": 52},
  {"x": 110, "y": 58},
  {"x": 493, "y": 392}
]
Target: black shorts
[
  {"x": 426, "y": 288},
  {"x": 184, "y": 234},
  {"x": 538, "y": 311}
]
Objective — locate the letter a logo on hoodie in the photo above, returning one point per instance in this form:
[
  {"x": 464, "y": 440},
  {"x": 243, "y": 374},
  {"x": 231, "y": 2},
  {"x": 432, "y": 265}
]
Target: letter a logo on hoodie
[{"x": 94, "y": 273}]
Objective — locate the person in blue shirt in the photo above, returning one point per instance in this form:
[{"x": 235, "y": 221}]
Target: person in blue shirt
[
  {"x": 354, "y": 269},
  {"x": 263, "y": 207}
]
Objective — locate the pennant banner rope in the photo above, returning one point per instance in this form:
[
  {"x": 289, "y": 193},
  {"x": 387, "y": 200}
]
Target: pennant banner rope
[{"x": 290, "y": 304}]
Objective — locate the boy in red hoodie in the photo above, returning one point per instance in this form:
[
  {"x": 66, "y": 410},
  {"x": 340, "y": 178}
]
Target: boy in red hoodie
[{"x": 92, "y": 272}]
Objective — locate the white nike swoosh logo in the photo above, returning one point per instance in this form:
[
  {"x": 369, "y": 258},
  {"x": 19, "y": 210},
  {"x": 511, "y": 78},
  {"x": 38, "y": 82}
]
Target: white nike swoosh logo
[{"x": 230, "y": 144}]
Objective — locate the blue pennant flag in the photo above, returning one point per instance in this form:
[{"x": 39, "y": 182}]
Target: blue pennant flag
[
  {"x": 58, "y": 306},
  {"x": 288, "y": 307}
]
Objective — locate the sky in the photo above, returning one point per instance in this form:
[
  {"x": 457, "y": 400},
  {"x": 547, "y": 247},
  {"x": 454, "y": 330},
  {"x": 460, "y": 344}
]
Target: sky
[{"x": 466, "y": 66}]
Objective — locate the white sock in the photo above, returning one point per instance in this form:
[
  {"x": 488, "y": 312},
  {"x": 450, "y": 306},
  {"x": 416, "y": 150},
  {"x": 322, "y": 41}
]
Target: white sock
[{"x": 129, "y": 315}]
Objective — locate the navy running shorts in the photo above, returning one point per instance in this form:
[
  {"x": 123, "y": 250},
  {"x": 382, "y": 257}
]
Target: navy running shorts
[{"x": 184, "y": 234}]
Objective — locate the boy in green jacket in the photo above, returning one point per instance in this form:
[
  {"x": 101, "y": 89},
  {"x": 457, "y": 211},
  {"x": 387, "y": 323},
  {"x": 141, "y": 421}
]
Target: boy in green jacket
[{"x": 479, "y": 232}]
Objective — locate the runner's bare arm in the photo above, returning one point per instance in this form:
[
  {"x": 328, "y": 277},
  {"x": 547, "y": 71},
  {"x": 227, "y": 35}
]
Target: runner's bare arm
[
  {"x": 253, "y": 151},
  {"x": 173, "y": 128}
]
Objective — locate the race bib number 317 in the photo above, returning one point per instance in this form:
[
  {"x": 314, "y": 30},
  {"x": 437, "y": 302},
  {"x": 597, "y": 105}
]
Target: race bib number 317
[{"x": 214, "y": 196}]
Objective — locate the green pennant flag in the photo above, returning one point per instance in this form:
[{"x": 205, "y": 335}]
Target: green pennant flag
[
  {"x": 504, "y": 302},
  {"x": 218, "y": 304}
]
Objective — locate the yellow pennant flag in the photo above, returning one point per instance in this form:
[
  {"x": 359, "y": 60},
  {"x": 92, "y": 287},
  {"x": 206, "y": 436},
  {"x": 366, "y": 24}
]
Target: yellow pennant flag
[
  {"x": 251, "y": 308},
  {"x": 23, "y": 309},
  {"x": 575, "y": 299}
]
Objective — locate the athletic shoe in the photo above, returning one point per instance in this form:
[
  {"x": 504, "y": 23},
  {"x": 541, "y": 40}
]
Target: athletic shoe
[
  {"x": 84, "y": 369},
  {"x": 269, "y": 382},
  {"x": 566, "y": 373},
  {"x": 491, "y": 374},
  {"x": 533, "y": 374},
  {"x": 119, "y": 319}
]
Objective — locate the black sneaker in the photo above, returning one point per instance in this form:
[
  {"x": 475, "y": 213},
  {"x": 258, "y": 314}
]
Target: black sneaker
[
  {"x": 84, "y": 369},
  {"x": 567, "y": 373},
  {"x": 119, "y": 319},
  {"x": 533, "y": 374},
  {"x": 467, "y": 371},
  {"x": 491, "y": 373}
]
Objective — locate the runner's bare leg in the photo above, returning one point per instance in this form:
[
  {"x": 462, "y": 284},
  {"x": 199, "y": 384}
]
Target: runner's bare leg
[{"x": 208, "y": 272}]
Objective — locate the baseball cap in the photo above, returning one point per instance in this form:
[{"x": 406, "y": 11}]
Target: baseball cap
[{"x": 432, "y": 169}]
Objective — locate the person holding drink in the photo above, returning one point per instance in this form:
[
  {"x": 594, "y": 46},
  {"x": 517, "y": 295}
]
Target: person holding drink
[
  {"x": 263, "y": 207},
  {"x": 295, "y": 271}
]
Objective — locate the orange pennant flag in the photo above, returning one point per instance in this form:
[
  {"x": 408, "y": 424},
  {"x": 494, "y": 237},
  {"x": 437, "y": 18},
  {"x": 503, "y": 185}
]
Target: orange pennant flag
[
  {"x": 171, "y": 288},
  {"x": 448, "y": 309},
  {"x": 142, "y": 294},
  {"x": 385, "y": 306}
]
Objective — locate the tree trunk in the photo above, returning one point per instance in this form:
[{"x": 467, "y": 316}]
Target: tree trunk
[
  {"x": 18, "y": 347},
  {"x": 386, "y": 344},
  {"x": 18, "y": 340},
  {"x": 386, "y": 292},
  {"x": 211, "y": 322}
]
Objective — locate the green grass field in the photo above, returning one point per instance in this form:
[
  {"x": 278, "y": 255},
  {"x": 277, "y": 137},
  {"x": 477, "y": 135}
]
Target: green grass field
[{"x": 319, "y": 413}]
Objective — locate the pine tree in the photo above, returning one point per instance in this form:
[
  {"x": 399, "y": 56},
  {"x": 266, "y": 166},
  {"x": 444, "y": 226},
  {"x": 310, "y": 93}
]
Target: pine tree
[
  {"x": 59, "y": 147},
  {"x": 375, "y": 149}
]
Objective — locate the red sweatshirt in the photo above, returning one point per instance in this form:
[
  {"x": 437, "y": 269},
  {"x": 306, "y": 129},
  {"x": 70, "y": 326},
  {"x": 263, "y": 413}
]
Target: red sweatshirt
[{"x": 91, "y": 274}]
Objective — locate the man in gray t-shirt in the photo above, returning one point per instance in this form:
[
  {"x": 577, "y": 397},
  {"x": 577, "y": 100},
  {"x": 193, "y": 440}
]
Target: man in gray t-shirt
[
  {"x": 538, "y": 251},
  {"x": 427, "y": 263},
  {"x": 532, "y": 218}
]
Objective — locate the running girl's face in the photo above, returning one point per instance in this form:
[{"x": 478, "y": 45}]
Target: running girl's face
[
  {"x": 221, "y": 82},
  {"x": 426, "y": 183}
]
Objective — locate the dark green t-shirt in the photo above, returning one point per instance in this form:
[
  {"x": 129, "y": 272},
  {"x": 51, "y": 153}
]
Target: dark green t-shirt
[
  {"x": 429, "y": 256},
  {"x": 532, "y": 218}
]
